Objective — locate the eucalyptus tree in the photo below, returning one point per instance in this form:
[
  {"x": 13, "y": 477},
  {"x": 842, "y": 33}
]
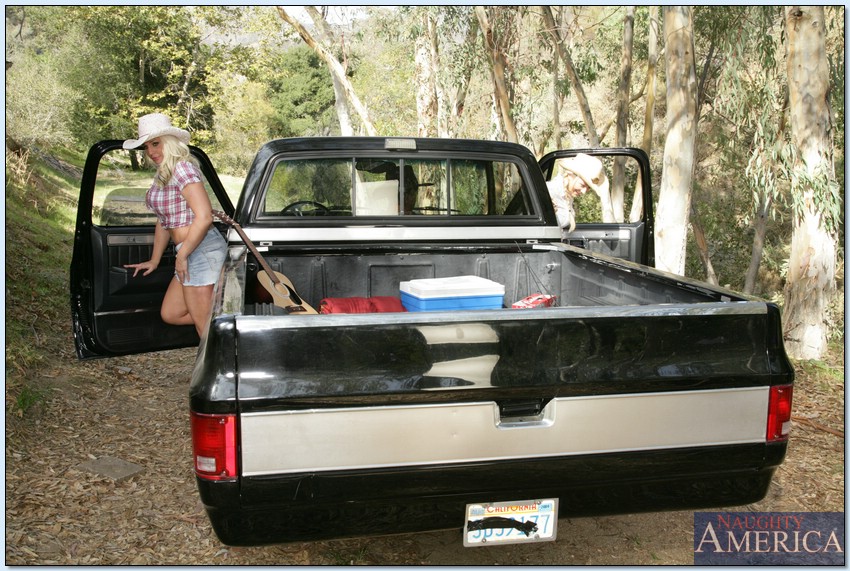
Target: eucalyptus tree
[
  {"x": 447, "y": 55},
  {"x": 676, "y": 178},
  {"x": 329, "y": 37},
  {"x": 649, "y": 109},
  {"x": 496, "y": 43},
  {"x": 623, "y": 101},
  {"x": 817, "y": 211},
  {"x": 747, "y": 125},
  {"x": 428, "y": 89},
  {"x": 561, "y": 42}
]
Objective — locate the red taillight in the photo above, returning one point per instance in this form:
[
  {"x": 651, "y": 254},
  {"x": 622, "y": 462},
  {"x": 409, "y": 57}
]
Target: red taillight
[
  {"x": 214, "y": 446},
  {"x": 779, "y": 413}
]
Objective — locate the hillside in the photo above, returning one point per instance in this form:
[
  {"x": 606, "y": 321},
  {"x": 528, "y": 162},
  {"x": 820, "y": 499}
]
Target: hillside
[{"x": 40, "y": 216}]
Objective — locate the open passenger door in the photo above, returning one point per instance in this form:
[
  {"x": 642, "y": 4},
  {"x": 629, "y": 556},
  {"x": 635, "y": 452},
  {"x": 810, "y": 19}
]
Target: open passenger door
[
  {"x": 630, "y": 235},
  {"x": 114, "y": 313}
]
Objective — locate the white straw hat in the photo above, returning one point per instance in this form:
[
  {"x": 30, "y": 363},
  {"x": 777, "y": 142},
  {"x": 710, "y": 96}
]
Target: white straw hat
[
  {"x": 155, "y": 125},
  {"x": 589, "y": 169}
]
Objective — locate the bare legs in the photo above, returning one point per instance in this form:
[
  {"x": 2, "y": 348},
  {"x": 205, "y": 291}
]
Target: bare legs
[{"x": 187, "y": 305}]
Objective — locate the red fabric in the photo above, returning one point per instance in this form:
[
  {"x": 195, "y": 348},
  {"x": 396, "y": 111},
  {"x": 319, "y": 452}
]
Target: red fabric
[
  {"x": 376, "y": 304},
  {"x": 386, "y": 304},
  {"x": 345, "y": 305}
]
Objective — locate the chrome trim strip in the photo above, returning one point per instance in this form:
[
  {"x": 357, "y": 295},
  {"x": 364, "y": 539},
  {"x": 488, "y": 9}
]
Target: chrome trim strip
[
  {"x": 251, "y": 323},
  {"x": 129, "y": 239},
  {"x": 320, "y": 440},
  {"x": 390, "y": 233}
]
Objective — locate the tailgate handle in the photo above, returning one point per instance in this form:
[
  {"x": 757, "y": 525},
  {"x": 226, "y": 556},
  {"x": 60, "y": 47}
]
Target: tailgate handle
[{"x": 531, "y": 409}]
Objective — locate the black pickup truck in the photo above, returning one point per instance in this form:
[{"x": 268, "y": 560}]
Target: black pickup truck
[{"x": 621, "y": 389}]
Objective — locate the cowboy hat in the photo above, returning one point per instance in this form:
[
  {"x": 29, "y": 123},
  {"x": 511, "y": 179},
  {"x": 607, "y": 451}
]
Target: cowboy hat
[
  {"x": 155, "y": 125},
  {"x": 589, "y": 169}
]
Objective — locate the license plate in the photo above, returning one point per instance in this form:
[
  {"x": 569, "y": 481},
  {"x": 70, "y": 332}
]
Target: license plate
[{"x": 500, "y": 523}]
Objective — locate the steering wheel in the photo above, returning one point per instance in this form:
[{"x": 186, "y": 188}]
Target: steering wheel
[{"x": 305, "y": 208}]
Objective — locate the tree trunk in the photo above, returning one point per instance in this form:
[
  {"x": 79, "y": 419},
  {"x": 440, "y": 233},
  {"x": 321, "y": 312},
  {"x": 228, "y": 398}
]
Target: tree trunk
[
  {"x": 702, "y": 247},
  {"x": 618, "y": 179},
  {"x": 464, "y": 77},
  {"x": 699, "y": 234},
  {"x": 637, "y": 202},
  {"x": 498, "y": 66},
  {"x": 758, "y": 247},
  {"x": 184, "y": 101},
  {"x": 335, "y": 68},
  {"x": 343, "y": 115},
  {"x": 674, "y": 199},
  {"x": 575, "y": 83},
  {"x": 556, "y": 103},
  {"x": 811, "y": 268},
  {"x": 426, "y": 95},
  {"x": 439, "y": 93}
]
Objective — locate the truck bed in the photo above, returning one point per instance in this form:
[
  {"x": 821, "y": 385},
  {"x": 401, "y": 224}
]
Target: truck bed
[
  {"x": 640, "y": 391},
  {"x": 564, "y": 271}
]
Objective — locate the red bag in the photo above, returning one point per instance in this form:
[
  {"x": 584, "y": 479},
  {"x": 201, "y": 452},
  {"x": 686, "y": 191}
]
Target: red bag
[
  {"x": 375, "y": 304},
  {"x": 535, "y": 300},
  {"x": 386, "y": 304}
]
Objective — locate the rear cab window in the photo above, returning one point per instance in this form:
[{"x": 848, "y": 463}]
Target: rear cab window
[{"x": 365, "y": 187}]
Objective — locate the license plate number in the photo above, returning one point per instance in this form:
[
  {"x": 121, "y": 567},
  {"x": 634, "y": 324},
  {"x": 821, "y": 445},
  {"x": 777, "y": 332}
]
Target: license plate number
[{"x": 500, "y": 523}]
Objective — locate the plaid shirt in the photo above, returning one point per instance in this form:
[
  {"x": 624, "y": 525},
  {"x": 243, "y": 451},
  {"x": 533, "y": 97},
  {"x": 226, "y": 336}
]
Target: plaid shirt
[{"x": 168, "y": 203}]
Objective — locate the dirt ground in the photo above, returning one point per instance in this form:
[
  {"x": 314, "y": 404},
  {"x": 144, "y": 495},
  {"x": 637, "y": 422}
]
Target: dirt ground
[{"x": 135, "y": 409}]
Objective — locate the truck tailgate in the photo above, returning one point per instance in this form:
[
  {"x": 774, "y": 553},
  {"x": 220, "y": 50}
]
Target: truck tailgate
[{"x": 341, "y": 392}]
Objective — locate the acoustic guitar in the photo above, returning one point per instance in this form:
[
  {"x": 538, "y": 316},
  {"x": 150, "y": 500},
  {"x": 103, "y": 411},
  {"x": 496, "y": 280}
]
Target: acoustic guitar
[{"x": 278, "y": 285}]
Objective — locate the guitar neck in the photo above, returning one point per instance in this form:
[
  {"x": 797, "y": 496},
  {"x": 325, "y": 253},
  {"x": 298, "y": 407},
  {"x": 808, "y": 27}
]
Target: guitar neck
[{"x": 251, "y": 246}]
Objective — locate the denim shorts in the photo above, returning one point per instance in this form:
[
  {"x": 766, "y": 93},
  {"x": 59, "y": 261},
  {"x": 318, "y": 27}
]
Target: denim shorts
[{"x": 206, "y": 260}]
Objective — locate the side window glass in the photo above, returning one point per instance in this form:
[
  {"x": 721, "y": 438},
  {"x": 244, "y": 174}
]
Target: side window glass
[
  {"x": 426, "y": 188},
  {"x": 299, "y": 187},
  {"x": 123, "y": 179},
  {"x": 487, "y": 188},
  {"x": 119, "y": 193}
]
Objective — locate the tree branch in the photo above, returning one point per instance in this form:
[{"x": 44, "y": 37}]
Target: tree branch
[{"x": 336, "y": 70}]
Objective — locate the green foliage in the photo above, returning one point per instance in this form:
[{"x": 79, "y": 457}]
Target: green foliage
[
  {"x": 835, "y": 50},
  {"x": 301, "y": 93},
  {"x": 39, "y": 105},
  {"x": 384, "y": 79},
  {"x": 741, "y": 166},
  {"x": 111, "y": 64},
  {"x": 243, "y": 116},
  {"x": 237, "y": 77}
]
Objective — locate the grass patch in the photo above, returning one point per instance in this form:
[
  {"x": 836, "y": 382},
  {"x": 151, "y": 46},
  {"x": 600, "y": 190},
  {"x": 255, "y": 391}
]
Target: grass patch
[
  {"x": 356, "y": 556},
  {"x": 28, "y": 397}
]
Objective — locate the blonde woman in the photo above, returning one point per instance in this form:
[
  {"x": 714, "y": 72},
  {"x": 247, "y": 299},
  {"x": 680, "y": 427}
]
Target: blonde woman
[
  {"x": 577, "y": 175},
  {"x": 184, "y": 216}
]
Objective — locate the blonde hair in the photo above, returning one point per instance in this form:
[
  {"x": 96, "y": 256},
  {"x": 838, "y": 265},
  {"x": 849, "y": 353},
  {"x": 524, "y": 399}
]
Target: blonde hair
[{"x": 173, "y": 151}]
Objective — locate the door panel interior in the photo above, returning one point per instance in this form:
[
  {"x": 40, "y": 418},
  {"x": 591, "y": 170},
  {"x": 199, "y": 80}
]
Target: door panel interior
[
  {"x": 627, "y": 172},
  {"x": 113, "y": 312}
]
